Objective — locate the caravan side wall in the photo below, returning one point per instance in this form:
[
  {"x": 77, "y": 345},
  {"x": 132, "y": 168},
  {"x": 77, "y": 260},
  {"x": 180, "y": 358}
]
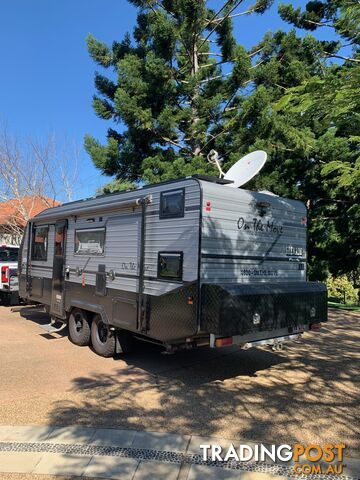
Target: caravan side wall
[
  {"x": 121, "y": 258},
  {"x": 253, "y": 266},
  {"x": 250, "y": 278},
  {"x": 249, "y": 237}
]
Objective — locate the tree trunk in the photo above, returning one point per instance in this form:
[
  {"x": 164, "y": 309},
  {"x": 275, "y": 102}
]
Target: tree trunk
[{"x": 194, "y": 70}]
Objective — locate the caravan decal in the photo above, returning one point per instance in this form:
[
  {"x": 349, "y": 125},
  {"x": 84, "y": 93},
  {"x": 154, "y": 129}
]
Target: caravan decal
[{"x": 259, "y": 225}]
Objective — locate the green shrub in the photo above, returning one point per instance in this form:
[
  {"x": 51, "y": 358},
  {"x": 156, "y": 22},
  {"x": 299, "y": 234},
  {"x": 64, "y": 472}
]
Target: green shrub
[{"x": 340, "y": 286}]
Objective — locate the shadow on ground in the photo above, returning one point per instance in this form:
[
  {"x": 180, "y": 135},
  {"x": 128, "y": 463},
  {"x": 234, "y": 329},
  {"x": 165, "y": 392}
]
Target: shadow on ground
[
  {"x": 38, "y": 315},
  {"x": 307, "y": 393}
]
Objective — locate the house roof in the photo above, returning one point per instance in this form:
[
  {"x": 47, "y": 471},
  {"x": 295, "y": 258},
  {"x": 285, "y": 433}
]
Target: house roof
[{"x": 13, "y": 210}]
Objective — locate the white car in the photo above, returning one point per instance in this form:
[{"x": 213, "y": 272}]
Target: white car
[{"x": 9, "y": 285}]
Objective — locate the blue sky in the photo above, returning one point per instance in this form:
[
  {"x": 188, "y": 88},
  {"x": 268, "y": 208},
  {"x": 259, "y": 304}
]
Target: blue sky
[{"x": 46, "y": 81}]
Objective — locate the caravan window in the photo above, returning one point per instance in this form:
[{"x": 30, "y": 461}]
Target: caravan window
[
  {"x": 172, "y": 204},
  {"x": 40, "y": 243},
  {"x": 90, "y": 241},
  {"x": 59, "y": 240},
  {"x": 170, "y": 265}
]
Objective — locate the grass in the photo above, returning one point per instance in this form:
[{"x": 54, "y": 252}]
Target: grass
[{"x": 352, "y": 308}]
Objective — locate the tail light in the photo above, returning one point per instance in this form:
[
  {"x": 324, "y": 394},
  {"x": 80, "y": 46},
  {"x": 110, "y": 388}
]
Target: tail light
[
  {"x": 221, "y": 342},
  {"x": 4, "y": 274}
]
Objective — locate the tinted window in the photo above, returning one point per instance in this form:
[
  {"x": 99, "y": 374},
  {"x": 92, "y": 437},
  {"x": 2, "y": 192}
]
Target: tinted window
[
  {"x": 170, "y": 265},
  {"x": 172, "y": 204},
  {"x": 40, "y": 243},
  {"x": 59, "y": 240},
  {"x": 8, "y": 254},
  {"x": 90, "y": 242}
]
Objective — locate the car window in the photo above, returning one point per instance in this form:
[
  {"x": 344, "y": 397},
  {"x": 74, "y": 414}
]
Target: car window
[{"x": 9, "y": 254}]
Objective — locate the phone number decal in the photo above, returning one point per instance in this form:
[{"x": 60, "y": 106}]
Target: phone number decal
[{"x": 253, "y": 272}]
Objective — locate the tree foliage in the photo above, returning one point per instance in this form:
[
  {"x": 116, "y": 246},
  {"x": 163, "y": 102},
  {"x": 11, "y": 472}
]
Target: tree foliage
[
  {"x": 183, "y": 85},
  {"x": 324, "y": 115},
  {"x": 178, "y": 82},
  {"x": 33, "y": 173},
  {"x": 342, "y": 290},
  {"x": 341, "y": 15}
]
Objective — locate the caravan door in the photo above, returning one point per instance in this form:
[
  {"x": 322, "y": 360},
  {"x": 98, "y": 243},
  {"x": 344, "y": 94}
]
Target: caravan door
[{"x": 57, "y": 307}]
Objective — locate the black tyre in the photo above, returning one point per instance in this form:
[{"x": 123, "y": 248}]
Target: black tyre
[
  {"x": 10, "y": 299},
  {"x": 79, "y": 327},
  {"x": 102, "y": 339},
  {"x": 14, "y": 298}
]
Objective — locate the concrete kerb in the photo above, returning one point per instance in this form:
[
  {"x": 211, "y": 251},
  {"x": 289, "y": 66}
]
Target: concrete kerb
[{"x": 119, "y": 453}]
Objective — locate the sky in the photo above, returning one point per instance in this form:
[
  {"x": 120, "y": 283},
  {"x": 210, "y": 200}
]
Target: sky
[{"x": 46, "y": 80}]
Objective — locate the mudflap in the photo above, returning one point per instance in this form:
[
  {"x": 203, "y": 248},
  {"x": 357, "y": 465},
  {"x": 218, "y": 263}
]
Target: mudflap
[{"x": 234, "y": 309}]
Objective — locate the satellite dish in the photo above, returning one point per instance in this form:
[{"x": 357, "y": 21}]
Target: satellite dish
[{"x": 246, "y": 168}]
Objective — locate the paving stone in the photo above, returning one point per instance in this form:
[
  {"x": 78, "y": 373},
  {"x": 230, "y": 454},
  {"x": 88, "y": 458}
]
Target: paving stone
[
  {"x": 157, "y": 470},
  {"x": 201, "y": 472},
  {"x": 161, "y": 441},
  {"x": 111, "y": 467},
  {"x": 19, "y": 462},
  {"x": 24, "y": 434},
  {"x": 184, "y": 471},
  {"x": 260, "y": 476},
  {"x": 71, "y": 435},
  {"x": 352, "y": 468},
  {"x": 113, "y": 437},
  {"x": 62, "y": 464}
]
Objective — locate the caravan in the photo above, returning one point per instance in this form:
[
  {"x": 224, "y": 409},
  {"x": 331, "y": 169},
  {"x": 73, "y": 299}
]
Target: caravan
[{"x": 184, "y": 263}]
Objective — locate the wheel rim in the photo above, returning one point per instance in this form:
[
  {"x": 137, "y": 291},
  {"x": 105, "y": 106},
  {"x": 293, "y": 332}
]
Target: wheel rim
[
  {"x": 79, "y": 323},
  {"x": 102, "y": 332}
]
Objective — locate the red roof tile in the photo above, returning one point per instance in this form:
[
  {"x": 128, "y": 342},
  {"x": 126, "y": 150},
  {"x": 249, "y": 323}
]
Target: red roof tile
[{"x": 14, "y": 209}]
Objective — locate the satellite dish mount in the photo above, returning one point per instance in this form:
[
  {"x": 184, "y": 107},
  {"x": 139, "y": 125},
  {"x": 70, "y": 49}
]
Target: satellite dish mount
[{"x": 213, "y": 159}]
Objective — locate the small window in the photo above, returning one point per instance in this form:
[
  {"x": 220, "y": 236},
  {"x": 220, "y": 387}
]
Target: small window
[
  {"x": 170, "y": 265},
  {"x": 172, "y": 204},
  {"x": 40, "y": 243},
  {"x": 90, "y": 242},
  {"x": 59, "y": 240}
]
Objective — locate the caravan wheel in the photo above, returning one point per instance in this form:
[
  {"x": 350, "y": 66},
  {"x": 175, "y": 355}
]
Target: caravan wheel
[
  {"x": 103, "y": 340},
  {"x": 79, "y": 327}
]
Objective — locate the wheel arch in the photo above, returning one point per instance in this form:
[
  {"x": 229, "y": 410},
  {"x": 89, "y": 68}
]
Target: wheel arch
[{"x": 91, "y": 308}]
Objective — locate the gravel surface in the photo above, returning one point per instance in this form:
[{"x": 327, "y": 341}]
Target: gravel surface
[
  {"x": 30, "y": 476},
  {"x": 307, "y": 393}
]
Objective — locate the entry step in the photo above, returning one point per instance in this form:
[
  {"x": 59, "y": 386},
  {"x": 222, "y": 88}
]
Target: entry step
[{"x": 54, "y": 326}]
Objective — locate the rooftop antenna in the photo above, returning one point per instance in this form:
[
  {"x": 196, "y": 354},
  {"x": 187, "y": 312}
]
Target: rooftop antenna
[
  {"x": 213, "y": 158},
  {"x": 245, "y": 169}
]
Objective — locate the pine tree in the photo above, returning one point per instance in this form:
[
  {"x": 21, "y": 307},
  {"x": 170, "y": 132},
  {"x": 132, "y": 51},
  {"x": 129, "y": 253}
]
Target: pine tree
[
  {"x": 179, "y": 83},
  {"x": 314, "y": 128},
  {"x": 342, "y": 16},
  {"x": 184, "y": 86}
]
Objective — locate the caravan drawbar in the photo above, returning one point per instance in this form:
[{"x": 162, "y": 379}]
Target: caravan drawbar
[{"x": 184, "y": 263}]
